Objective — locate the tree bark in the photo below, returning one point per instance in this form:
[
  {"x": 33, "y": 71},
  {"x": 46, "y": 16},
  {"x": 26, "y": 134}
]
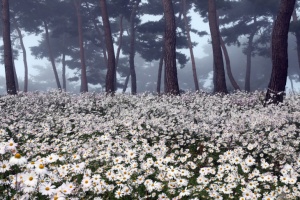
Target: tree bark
[
  {"x": 160, "y": 67},
  {"x": 187, "y": 29},
  {"x": 249, "y": 60},
  {"x": 84, "y": 83},
  {"x": 51, "y": 57},
  {"x": 24, "y": 55},
  {"x": 8, "y": 59},
  {"x": 228, "y": 66},
  {"x": 126, "y": 82},
  {"x": 219, "y": 72},
  {"x": 276, "y": 87},
  {"x": 171, "y": 86},
  {"x": 111, "y": 68},
  {"x": 132, "y": 47},
  {"x": 16, "y": 76}
]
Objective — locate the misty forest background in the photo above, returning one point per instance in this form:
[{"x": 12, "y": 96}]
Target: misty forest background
[{"x": 245, "y": 27}]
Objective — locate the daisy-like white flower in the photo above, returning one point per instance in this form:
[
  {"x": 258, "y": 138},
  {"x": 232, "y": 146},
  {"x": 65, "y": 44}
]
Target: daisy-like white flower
[
  {"x": 11, "y": 145},
  {"x": 30, "y": 179},
  {"x": 2, "y": 148},
  {"x": 47, "y": 189},
  {"x": 249, "y": 160},
  {"x": 182, "y": 182},
  {"x": 4, "y": 166},
  {"x": 119, "y": 193},
  {"x": 66, "y": 188},
  {"x": 77, "y": 167},
  {"x": 184, "y": 192},
  {"x": 86, "y": 183},
  {"x": 40, "y": 168},
  {"x": 17, "y": 159},
  {"x": 51, "y": 158}
]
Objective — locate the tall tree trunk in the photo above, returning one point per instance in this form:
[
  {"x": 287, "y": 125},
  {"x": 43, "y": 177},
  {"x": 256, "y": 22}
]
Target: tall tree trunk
[
  {"x": 84, "y": 83},
  {"x": 119, "y": 48},
  {"x": 187, "y": 29},
  {"x": 219, "y": 72},
  {"x": 276, "y": 87},
  {"x": 126, "y": 82},
  {"x": 292, "y": 85},
  {"x": 8, "y": 60},
  {"x": 297, "y": 35},
  {"x": 111, "y": 68},
  {"x": 171, "y": 86},
  {"x": 160, "y": 67},
  {"x": 63, "y": 62},
  {"x": 51, "y": 57},
  {"x": 16, "y": 76},
  {"x": 228, "y": 66},
  {"x": 24, "y": 55},
  {"x": 249, "y": 60},
  {"x": 132, "y": 49}
]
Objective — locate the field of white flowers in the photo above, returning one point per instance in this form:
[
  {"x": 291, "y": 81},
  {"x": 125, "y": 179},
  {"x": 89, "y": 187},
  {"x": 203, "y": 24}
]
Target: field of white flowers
[{"x": 196, "y": 146}]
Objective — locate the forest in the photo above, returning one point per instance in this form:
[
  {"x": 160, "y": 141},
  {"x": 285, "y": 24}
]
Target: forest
[
  {"x": 148, "y": 120},
  {"x": 73, "y": 36}
]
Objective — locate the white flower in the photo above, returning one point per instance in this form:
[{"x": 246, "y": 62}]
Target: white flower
[
  {"x": 47, "y": 189},
  {"x": 4, "y": 166},
  {"x": 30, "y": 179},
  {"x": 40, "y": 169},
  {"x": 51, "y": 158},
  {"x": 249, "y": 160},
  {"x": 17, "y": 159},
  {"x": 11, "y": 145},
  {"x": 86, "y": 183},
  {"x": 119, "y": 193},
  {"x": 66, "y": 188},
  {"x": 184, "y": 192}
]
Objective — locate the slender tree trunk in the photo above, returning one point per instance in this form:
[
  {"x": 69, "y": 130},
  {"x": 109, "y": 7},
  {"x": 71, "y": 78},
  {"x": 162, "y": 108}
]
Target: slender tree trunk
[
  {"x": 187, "y": 29},
  {"x": 119, "y": 48},
  {"x": 276, "y": 87},
  {"x": 16, "y": 77},
  {"x": 132, "y": 47},
  {"x": 228, "y": 66},
  {"x": 249, "y": 60},
  {"x": 160, "y": 67},
  {"x": 24, "y": 55},
  {"x": 126, "y": 82},
  {"x": 84, "y": 83},
  {"x": 297, "y": 35},
  {"x": 8, "y": 60},
  {"x": 292, "y": 85},
  {"x": 171, "y": 86},
  {"x": 63, "y": 62},
  {"x": 51, "y": 57},
  {"x": 219, "y": 72},
  {"x": 111, "y": 68}
]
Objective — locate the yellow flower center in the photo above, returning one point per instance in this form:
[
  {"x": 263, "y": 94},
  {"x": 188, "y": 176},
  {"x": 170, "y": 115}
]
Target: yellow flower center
[
  {"x": 30, "y": 178},
  {"x": 32, "y": 162},
  {"x": 3, "y": 166},
  {"x": 47, "y": 188},
  {"x": 17, "y": 155},
  {"x": 11, "y": 144},
  {"x": 41, "y": 166}
]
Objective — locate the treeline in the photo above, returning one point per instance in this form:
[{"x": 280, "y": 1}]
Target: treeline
[{"x": 82, "y": 34}]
